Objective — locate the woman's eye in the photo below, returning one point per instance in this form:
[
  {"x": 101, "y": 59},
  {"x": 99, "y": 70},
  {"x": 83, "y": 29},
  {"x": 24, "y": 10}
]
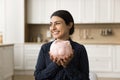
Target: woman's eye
[
  {"x": 57, "y": 23},
  {"x": 53, "y": 24}
]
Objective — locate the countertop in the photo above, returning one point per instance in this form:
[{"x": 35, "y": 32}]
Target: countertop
[
  {"x": 6, "y": 44},
  {"x": 100, "y": 43},
  {"x": 82, "y": 42}
]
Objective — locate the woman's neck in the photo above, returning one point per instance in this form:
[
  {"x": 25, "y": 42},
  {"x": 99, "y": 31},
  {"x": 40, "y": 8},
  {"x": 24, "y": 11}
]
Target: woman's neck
[{"x": 64, "y": 39}]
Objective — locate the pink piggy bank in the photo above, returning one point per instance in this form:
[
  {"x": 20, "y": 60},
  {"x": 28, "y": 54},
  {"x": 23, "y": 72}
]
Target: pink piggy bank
[{"x": 60, "y": 49}]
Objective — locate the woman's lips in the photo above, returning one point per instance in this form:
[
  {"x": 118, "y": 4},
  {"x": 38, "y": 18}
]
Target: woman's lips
[{"x": 55, "y": 32}]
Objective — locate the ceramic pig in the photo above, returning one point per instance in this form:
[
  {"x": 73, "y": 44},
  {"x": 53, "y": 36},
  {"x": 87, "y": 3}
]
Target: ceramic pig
[{"x": 60, "y": 49}]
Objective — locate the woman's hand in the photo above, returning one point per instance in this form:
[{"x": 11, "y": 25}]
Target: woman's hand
[
  {"x": 55, "y": 59},
  {"x": 62, "y": 61},
  {"x": 65, "y": 61}
]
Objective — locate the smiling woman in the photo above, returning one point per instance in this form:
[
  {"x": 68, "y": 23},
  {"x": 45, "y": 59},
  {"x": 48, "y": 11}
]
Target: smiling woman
[
  {"x": 73, "y": 65},
  {"x": 59, "y": 28}
]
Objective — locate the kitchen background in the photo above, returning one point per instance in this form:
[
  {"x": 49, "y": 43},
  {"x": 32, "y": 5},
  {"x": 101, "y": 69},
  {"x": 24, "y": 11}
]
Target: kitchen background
[
  {"x": 24, "y": 27},
  {"x": 105, "y": 33}
]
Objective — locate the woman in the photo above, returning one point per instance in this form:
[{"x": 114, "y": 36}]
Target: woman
[{"x": 73, "y": 67}]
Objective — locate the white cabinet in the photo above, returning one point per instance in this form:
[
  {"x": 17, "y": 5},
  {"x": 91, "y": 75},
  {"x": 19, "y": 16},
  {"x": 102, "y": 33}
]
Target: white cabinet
[
  {"x": 72, "y": 6},
  {"x": 1, "y": 15},
  {"x": 104, "y": 11},
  {"x": 6, "y": 62},
  {"x": 31, "y": 52},
  {"x": 116, "y": 59},
  {"x": 83, "y": 11},
  {"x": 2, "y": 20},
  {"x": 18, "y": 56},
  {"x": 87, "y": 11},
  {"x": 1, "y": 62},
  {"x": 100, "y": 57},
  {"x": 25, "y": 56},
  {"x": 50, "y": 7},
  {"x": 14, "y": 21},
  {"x": 96, "y": 11},
  {"x": 35, "y": 11},
  {"x": 103, "y": 59},
  {"x": 39, "y": 11},
  {"x": 116, "y": 11}
]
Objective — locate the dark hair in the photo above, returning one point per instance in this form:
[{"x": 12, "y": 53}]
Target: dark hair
[{"x": 66, "y": 16}]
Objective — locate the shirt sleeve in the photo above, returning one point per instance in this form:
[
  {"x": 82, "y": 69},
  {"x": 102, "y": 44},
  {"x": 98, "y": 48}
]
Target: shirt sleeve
[
  {"x": 41, "y": 71},
  {"x": 81, "y": 72}
]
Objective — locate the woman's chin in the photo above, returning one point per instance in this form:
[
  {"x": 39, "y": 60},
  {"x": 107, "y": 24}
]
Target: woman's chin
[{"x": 56, "y": 37}]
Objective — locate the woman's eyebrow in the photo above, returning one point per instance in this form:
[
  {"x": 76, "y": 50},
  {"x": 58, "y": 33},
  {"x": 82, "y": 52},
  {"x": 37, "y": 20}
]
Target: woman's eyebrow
[{"x": 55, "y": 22}]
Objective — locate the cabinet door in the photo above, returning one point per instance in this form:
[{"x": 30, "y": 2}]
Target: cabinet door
[
  {"x": 35, "y": 11},
  {"x": 96, "y": 11},
  {"x": 18, "y": 57},
  {"x": 116, "y": 59},
  {"x": 100, "y": 57},
  {"x": 2, "y": 19},
  {"x": 7, "y": 61},
  {"x": 50, "y": 7},
  {"x": 104, "y": 11},
  {"x": 14, "y": 21},
  {"x": 72, "y": 6},
  {"x": 87, "y": 11},
  {"x": 116, "y": 11},
  {"x": 1, "y": 63},
  {"x": 30, "y": 56},
  {"x": 1, "y": 15}
]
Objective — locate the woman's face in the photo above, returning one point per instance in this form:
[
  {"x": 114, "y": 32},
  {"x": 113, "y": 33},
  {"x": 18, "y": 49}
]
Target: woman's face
[{"x": 58, "y": 28}]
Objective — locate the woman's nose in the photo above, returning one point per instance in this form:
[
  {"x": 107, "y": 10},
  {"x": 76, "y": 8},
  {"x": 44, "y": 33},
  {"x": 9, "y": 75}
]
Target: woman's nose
[{"x": 53, "y": 26}]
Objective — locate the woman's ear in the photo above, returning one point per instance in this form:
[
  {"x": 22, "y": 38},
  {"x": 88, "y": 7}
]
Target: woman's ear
[{"x": 70, "y": 25}]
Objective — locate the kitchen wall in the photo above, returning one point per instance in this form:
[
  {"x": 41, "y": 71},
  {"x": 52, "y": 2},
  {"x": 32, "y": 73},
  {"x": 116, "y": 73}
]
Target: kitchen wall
[
  {"x": 97, "y": 33},
  {"x": 106, "y": 33}
]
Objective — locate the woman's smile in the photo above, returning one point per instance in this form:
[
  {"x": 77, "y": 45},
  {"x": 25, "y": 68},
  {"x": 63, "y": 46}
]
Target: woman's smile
[{"x": 56, "y": 32}]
